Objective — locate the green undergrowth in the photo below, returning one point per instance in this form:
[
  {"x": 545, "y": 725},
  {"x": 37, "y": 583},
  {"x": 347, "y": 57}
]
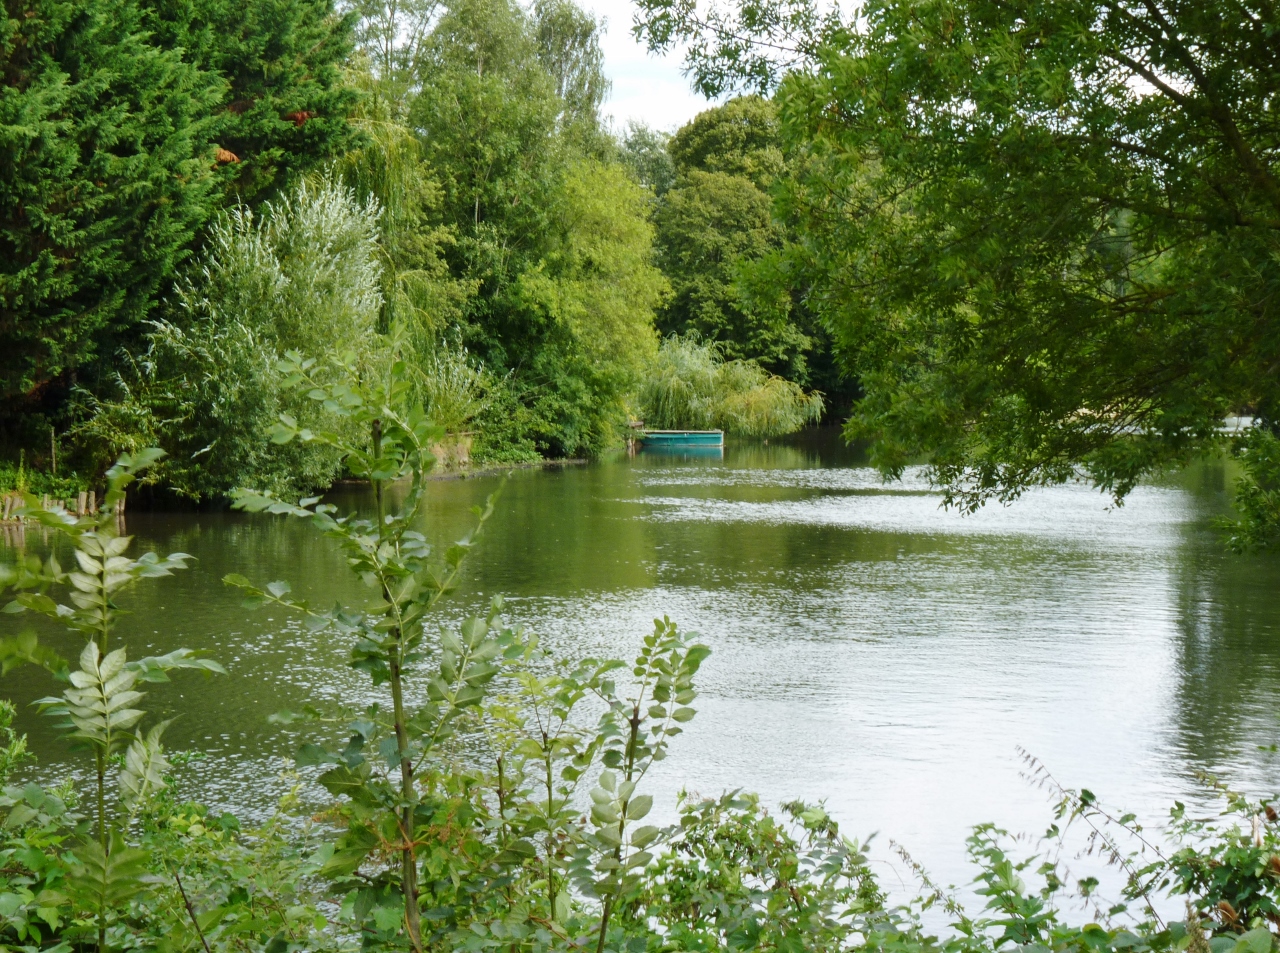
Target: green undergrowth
[{"x": 17, "y": 478}]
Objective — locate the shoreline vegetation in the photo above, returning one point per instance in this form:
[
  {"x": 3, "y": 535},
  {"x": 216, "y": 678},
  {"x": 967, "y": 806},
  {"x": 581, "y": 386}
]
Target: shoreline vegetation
[{"x": 536, "y": 278}]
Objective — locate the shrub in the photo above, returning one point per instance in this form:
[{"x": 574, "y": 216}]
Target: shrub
[{"x": 304, "y": 273}]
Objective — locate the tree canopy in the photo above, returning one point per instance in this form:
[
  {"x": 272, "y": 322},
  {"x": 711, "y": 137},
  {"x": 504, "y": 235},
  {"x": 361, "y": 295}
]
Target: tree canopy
[
  {"x": 723, "y": 242},
  {"x": 1045, "y": 235},
  {"x": 125, "y": 125}
]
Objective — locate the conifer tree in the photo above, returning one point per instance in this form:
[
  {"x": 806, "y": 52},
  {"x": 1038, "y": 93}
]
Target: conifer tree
[{"x": 125, "y": 126}]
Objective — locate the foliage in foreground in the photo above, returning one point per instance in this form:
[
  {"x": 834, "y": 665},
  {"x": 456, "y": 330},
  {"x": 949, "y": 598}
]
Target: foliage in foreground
[
  {"x": 493, "y": 796},
  {"x": 690, "y": 386}
]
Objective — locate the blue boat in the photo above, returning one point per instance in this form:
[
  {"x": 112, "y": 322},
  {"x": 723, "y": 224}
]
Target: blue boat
[{"x": 682, "y": 439}]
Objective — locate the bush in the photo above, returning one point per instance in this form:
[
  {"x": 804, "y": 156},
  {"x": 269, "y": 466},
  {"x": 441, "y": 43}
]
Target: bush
[
  {"x": 691, "y": 387},
  {"x": 19, "y": 479},
  {"x": 302, "y": 274},
  {"x": 452, "y": 388},
  {"x": 1257, "y": 496}
]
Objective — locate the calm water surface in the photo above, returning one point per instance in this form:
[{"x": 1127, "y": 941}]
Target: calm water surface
[{"x": 869, "y": 648}]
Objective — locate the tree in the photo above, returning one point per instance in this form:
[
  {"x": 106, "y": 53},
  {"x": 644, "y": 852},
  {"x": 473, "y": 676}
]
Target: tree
[
  {"x": 568, "y": 41},
  {"x": 564, "y": 290},
  {"x": 125, "y": 125},
  {"x": 285, "y": 103},
  {"x": 1046, "y": 235},
  {"x": 739, "y": 138},
  {"x": 691, "y": 386},
  {"x": 717, "y": 221},
  {"x": 644, "y": 151},
  {"x": 391, "y": 36},
  {"x": 711, "y": 226},
  {"x": 487, "y": 119},
  {"x": 104, "y": 179},
  {"x": 596, "y": 292},
  {"x": 419, "y": 296}
]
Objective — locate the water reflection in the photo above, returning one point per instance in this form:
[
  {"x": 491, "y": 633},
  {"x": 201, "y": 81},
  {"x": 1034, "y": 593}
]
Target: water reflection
[{"x": 870, "y": 648}]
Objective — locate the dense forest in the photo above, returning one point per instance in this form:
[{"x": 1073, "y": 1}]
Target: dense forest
[{"x": 184, "y": 203}]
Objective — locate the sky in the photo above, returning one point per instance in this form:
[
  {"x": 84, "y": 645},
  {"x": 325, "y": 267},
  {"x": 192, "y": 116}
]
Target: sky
[{"x": 646, "y": 88}]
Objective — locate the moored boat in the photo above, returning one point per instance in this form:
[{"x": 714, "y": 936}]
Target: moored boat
[{"x": 682, "y": 439}]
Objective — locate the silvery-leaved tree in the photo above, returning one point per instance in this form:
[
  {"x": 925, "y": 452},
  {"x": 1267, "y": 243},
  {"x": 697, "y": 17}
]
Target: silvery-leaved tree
[
  {"x": 378, "y": 771},
  {"x": 98, "y": 711}
]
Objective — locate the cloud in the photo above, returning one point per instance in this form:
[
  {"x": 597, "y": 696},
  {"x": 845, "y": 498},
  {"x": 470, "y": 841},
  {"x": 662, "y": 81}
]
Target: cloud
[{"x": 647, "y": 88}]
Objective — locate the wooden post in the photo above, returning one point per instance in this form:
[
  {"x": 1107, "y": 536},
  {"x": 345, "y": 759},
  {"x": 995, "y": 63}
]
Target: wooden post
[
  {"x": 93, "y": 503},
  {"x": 82, "y": 501}
]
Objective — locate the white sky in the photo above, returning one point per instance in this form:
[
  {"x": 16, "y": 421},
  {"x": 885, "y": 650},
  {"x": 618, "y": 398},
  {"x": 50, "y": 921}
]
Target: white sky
[{"x": 646, "y": 88}]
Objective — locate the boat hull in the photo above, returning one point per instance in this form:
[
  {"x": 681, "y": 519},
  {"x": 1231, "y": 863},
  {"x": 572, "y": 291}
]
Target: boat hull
[{"x": 682, "y": 439}]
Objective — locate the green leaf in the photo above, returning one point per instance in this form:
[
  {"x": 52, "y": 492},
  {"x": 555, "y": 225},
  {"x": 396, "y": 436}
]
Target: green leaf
[
  {"x": 530, "y": 749},
  {"x": 342, "y": 781},
  {"x": 639, "y": 806},
  {"x": 644, "y": 836},
  {"x": 155, "y": 668},
  {"x": 100, "y": 881},
  {"x": 388, "y": 917},
  {"x": 1255, "y": 941},
  {"x": 310, "y": 755}
]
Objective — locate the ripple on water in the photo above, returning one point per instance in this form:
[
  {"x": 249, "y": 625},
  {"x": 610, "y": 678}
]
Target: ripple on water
[{"x": 870, "y": 648}]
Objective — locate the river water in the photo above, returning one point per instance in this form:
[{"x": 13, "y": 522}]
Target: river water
[{"x": 870, "y": 648}]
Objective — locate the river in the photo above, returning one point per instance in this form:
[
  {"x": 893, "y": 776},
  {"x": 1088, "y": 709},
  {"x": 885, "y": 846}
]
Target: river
[{"x": 870, "y": 648}]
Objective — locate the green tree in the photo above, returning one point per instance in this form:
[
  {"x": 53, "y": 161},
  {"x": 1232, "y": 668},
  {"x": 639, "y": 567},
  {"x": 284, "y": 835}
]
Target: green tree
[
  {"x": 568, "y": 41},
  {"x": 739, "y": 138},
  {"x": 691, "y": 386},
  {"x": 644, "y": 151},
  {"x": 1046, "y": 235},
  {"x": 596, "y": 293},
  {"x": 716, "y": 223},
  {"x": 564, "y": 290},
  {"x": 104, "y": 179},
  {"x": 390, "y": 37},
  {"x": 487, "y": 117},
  {"x": 420, "y": 296},
  {"x": 284, "y": 104},
  {"x": 125, "y": 125},
  {"x": 710, "y": 226}
]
